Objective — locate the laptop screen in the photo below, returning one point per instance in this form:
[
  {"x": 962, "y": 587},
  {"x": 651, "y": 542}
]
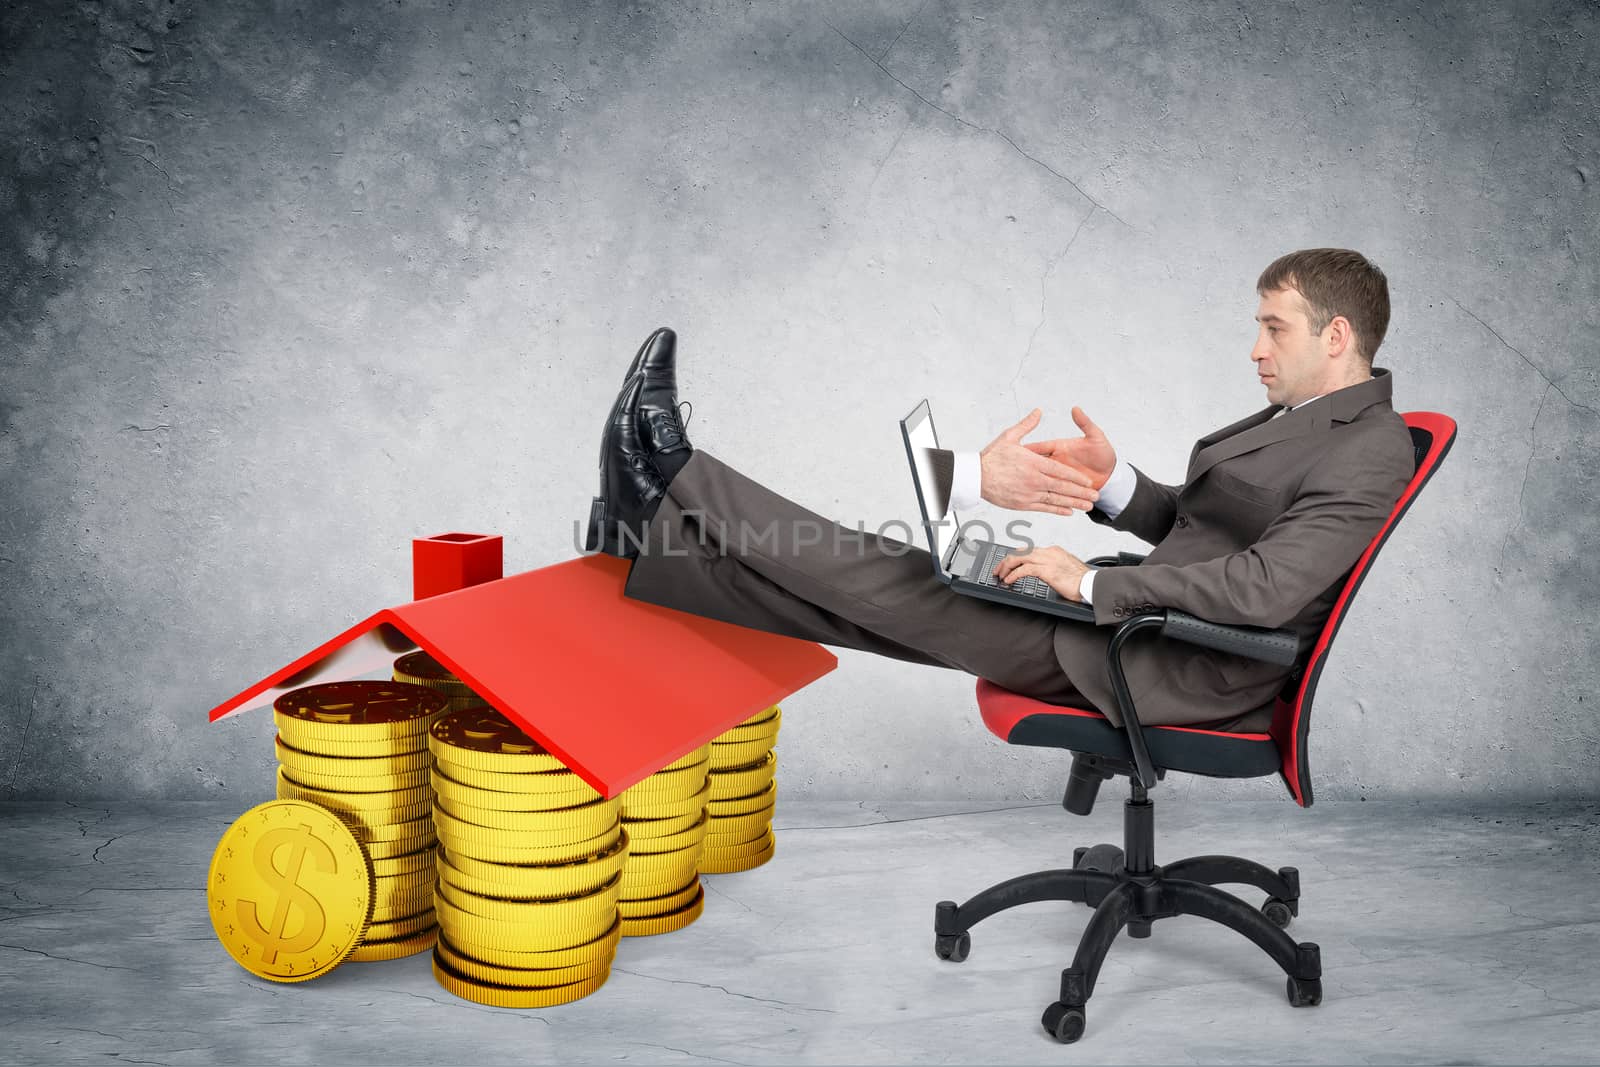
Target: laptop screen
[{"x": 921, "y": 440}]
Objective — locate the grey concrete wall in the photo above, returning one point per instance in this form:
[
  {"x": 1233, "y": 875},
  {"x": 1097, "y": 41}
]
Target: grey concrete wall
[{"x": 285, "y": 285}]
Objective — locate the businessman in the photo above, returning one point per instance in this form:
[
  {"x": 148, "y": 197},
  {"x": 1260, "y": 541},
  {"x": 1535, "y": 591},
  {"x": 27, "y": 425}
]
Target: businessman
[{"x": 1273, "y": 512}]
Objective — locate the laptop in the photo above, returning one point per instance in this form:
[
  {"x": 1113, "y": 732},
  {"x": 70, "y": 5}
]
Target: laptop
[{"x": 961, "y": 561}]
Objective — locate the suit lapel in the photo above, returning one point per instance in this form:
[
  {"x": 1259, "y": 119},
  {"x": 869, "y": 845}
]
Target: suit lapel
[
  {"x": 1261, "y": 429},
  {"x": 1312, "y": 418}
]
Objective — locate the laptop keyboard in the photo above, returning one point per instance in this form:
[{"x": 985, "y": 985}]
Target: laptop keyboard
[{"x": 985, "y": 575}]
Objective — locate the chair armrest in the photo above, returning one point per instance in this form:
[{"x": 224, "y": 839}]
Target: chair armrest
[
  {"x": 1121, "y": 559},
  {"x": 1274, "y": 646}
]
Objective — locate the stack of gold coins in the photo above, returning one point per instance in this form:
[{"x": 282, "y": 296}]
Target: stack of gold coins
[
  {"x": 743, "y": 794},
  {"x": 359, "y": 749},
  {"x": 530, "y": 867},
  {"x": 419, "y": 668},
  {"x": 666, "y": 819}
]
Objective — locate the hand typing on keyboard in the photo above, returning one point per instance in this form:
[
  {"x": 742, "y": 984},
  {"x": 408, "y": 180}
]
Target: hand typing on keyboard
[{"x": 1049, "y": 565}]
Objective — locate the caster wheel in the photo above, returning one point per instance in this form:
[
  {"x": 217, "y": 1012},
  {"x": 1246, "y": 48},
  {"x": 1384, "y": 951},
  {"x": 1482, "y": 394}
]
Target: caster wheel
[
  {"x": 1305, "y": 992},
  {"x": 1102, "y": 858},
  {"x": 952, "y": 947},
  {"x": 1277, "y": 912},
  {"x": 1064, "y": 1023}
]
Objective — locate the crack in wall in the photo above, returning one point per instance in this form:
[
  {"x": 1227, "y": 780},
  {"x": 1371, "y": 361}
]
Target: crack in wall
[
  {"x": 785, "y": 1004},
  {"x": 912, "y": 818},
  {"x": 685, "y": 1052},
  {"x": 914, "y": 16},
  {"x": 22, "y": 746},
  {"x": 975, "y": 126},
  {"x": 1536, "y": 369},
  {"x": 69, "y": 959},
  {"x": 1044, "y": 280},
  {"x": 1533, "y": 447}
]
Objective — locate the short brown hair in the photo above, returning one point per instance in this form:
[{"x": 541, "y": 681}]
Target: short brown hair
[{"x": 1335, "y": 281}]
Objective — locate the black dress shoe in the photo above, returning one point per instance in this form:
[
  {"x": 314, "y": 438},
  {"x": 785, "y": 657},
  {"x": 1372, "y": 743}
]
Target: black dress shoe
[
  {"x": 657, "y": 356},
  {"x": 661, "y": 428},
  {"x": 631, "y": 488}
]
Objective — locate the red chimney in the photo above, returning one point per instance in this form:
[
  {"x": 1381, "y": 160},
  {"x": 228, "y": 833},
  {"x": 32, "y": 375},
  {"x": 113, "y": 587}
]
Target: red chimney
[{"x": 446, "y": 562}]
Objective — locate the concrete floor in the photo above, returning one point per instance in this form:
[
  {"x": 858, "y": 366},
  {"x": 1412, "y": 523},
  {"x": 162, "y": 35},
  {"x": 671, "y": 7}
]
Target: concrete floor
[{"x": 1448, "y": 936}]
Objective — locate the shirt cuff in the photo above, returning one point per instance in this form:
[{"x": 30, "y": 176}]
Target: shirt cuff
[
  {"x": 966, "y": 489},
  {"x": 1118, "y": 490},
  {"x": 1086, "y": 586}
]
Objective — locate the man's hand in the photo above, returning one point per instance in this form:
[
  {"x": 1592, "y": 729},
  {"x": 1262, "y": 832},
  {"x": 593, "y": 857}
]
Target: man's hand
[
  {"x": 1021, "y": 478},
  {"x": 1090, "y": 454},
  {"x": 1056, "y": 567}
]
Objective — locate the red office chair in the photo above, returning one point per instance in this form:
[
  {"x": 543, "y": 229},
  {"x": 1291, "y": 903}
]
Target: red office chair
[{"x": 1124, "y": 885}]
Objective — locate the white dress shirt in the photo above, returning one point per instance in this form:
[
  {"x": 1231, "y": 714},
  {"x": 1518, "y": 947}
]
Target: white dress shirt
[{"x": 967, "y": 489}]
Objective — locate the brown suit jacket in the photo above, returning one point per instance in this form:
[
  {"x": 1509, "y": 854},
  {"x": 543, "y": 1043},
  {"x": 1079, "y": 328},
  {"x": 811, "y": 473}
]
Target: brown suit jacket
[{"x": 1270, "y": 518}]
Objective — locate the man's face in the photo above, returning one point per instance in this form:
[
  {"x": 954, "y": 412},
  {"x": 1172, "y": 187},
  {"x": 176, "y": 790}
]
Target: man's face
[{"x": 1290, "y": 360}]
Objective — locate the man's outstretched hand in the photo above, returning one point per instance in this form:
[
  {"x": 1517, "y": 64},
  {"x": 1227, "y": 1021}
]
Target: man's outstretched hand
[
  {"x": 1091, "y": 454},
  {"x": 1056, "y": 567},
  {"x": 1024, "y": 478}
]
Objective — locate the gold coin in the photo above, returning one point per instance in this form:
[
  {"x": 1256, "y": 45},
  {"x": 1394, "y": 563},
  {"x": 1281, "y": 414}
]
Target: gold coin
[
  {"x": 484, "y": 739},
  {"x": 652, "y": 829},
  {"x": 738, "y": 754},
  {"x": 671, "y": 842},
  {"x": 662, "y": 924},
  {"x": 543, "y": 914},
  {"x": 766, "y": 725},
  {"x": 493, "y": 851},
  {"x": 388, "y": 850},
  {"x": 349, "y": 766},
  {"x": 388, "y": 931},
  {"x": 406, "y": 894},
  {"x": 500, "y": 996},
  {"x": 666, "y": 809},
  {"x": 343, "y": 783},
  {"x": 742, "y": 781},
  {"x": 420, "y": 668},
  {"x": 393, "y": 802},
  {"x": 411, "y": 861},
  {"x": 464, "y": 927},
  {"x": 514, "y": 880},
  {"x": 711, "y": 864},
  {"x": 357, "y": 710},
  {"x": 351, "y": 748},
  {"x": 602, "y": 947},
  {"x": 647, "y": 890},
  {"x": 420, "y": 826},
  {"x": 464, "y": 964},
  {"x": 644, "y": 866},
  {"x": 739, "y": 827},
  {"x": 525, "y": 828},
  {"x": 650, "y": 907},
  {"x": 668, "y": 785},
  {"x": 394, "y": 948},
  {"x": 677, "y": 868},
  {"x": 690, "y": 758},
  {"x": 360, "y": 820},
  {"x": 721, "y": 809},
  {"x": 390, "y": 886},
  {"x": 735, "y": 849},
  {"x": 289, "y": 891},
  {"x": 404, "y": 909},
  {"x": 515, "y": 792}
]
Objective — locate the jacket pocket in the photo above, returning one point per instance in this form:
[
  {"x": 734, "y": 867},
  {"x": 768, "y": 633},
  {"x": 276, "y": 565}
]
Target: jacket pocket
[{"x": 1233, "y": 485}]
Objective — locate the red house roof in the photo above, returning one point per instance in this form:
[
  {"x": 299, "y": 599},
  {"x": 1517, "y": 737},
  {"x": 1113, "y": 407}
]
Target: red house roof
[{"x": 617, "y": 688}]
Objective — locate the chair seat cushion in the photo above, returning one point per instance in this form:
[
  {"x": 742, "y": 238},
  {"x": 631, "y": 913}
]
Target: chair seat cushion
[{"x": 1020, "y": 720}]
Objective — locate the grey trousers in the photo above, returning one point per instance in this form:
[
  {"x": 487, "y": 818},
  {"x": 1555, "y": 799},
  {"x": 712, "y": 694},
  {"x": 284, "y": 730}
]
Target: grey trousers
[{"x": 723, "y": 546}]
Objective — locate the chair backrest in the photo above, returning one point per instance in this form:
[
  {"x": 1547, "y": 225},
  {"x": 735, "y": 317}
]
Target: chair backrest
[{"x": 1431, "y": 436}]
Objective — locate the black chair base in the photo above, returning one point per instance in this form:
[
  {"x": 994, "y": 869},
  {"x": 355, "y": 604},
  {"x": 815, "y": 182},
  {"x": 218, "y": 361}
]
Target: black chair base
[{"x": 1128, "y": 890}]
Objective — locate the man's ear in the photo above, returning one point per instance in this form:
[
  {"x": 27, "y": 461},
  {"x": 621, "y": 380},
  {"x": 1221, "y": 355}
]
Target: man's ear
[{"x": 1341, "y": 337}]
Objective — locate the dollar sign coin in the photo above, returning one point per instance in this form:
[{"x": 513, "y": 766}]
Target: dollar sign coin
[{"x": 290, "y": 890}]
